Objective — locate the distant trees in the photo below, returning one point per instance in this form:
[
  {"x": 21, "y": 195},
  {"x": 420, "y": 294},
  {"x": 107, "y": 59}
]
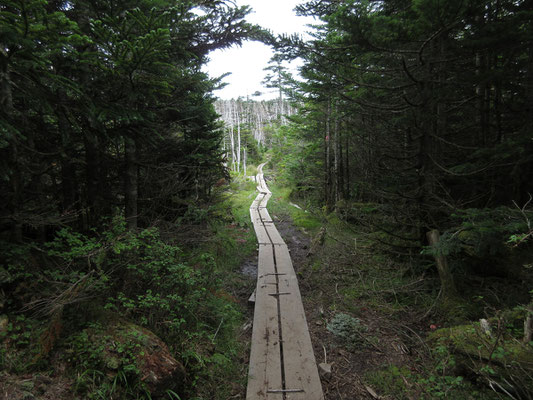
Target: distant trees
[
  {"x": 278, "y": 77},
  {"x": 104, "y": 109},
  {"x": 247, "y": 124}
]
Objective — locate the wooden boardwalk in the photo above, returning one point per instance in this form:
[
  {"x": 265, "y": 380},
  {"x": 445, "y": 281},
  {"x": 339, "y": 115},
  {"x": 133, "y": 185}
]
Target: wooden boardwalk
[{"x": 282, "y": 362}]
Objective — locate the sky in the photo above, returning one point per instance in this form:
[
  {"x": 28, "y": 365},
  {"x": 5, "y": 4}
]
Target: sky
[{"x": 246, "y": 63}]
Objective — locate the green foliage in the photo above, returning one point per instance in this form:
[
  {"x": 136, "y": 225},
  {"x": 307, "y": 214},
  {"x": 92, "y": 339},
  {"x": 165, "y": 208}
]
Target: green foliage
[
  {"x": 483, "y": 235},
  {"x": 18, "y": 344},
  {"x": 137, "y": 276},
  {"x": 115, "y": 350},
  {"x": 310, "y": 220},
  {"x": 15, "y": 259},
  {"x": 297, "y": 162},
  {"x": 348, "y": 329},
  {"x": 153, "y": 282},
  {"x": 402, "y": 383}
]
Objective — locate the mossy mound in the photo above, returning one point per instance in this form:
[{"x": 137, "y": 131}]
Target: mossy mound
[
  {"x": 131, "y": 352},
  {"x": 493, "y": 356}
]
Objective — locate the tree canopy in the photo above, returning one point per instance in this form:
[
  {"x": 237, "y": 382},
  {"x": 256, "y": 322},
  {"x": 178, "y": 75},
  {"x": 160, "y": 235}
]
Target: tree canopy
[{"x": 98, "y": 97}]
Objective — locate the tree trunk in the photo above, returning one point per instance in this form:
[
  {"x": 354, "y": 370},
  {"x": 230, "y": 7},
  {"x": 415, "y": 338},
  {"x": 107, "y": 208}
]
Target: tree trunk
[
  {"x": 6, "y": 100},
  {"x": 238, "y": 140},
  {"x": 327, "y": 163},
  {"x": 446, "y": 278},
  {"x": 130, "y": 183},
  {"x": 528, "y": 325},
  {"x": 244, "y": 160},
  {"x": 347, "y": 192},
  {"x": 232, "y": 140}
]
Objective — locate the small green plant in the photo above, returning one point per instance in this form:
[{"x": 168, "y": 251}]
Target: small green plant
[{"x": 348, "y": 329}]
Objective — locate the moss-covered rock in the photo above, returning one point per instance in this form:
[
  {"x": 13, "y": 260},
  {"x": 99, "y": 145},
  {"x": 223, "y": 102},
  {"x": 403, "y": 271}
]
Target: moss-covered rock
[{"x": 122, "y": 347}]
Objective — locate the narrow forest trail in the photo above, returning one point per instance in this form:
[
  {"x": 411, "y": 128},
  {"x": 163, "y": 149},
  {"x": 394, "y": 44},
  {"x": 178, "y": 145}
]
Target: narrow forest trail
[{"x": 282, "y": 362}]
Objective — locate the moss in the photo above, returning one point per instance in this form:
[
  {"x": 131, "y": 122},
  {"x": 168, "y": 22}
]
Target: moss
[
  {"x": 390, "y": 381},
  {"x": 471, "y": 340},
  {"x": 496, "y": 357}
]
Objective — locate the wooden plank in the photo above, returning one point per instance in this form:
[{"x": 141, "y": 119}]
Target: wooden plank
[
  {"x": 255, "y": 216},
  {"x": 275, "y": 237},
  {"x": 299, "y": 360},
  {"x": 265, "y": 216},
  {"x": 261, "y": 233},
  {"x": 262, "y": 184},
  {"x": 265, "y": 362},
  {"x": 265, "y": 261},
  {"x": 264, "y": 201}
]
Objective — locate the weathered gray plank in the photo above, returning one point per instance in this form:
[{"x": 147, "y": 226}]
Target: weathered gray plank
[
  {"x": 278, "y": 277},
  {"x": 255, "y": 216},
  {"x": 275, "y": 237},
  {"x": 265, "y": 216},
  {"x": 264, "y": 370},
  {"x": 261, "y": 233},
  {"x": 299, "y": 360}
]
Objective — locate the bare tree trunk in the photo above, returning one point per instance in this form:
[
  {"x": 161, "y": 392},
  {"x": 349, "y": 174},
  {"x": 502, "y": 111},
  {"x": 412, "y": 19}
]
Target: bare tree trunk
[
  {"x": 232, "y": 140},
  {"x": 237, "y": 117},
  {"x": 337, "y": 158},
  {"x": 244, "y": 158},
  {"x": 446, "y": 278},
  {"x": 347, "y": 193},
  {"x": 528, "y": 325},
  {"x": 6, "y": 100},
  {"x": 92, "y": 176}
]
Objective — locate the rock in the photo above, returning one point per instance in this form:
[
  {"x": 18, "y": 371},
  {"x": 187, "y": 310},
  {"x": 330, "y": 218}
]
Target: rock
[
  {"x": 157, "y": 368},
  {"x": 485, "y": 326},
  {"x": 324, "y": 369},
  {"x": 251, "y": 299}
]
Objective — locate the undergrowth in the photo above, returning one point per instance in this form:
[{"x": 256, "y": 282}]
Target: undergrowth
[
  {"x": 60, "y": 298},
  {"x": 372, "y": 298}
]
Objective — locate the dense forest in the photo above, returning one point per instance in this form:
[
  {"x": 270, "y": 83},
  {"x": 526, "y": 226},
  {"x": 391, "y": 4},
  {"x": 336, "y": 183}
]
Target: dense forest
[{"x": 407, "y": 145}]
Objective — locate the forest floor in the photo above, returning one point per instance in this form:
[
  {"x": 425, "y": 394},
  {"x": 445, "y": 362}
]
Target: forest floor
[{"x": 370, "y": 317}]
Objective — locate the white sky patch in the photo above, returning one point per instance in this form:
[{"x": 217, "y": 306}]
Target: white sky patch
[{"x": 246, "y": 63}]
